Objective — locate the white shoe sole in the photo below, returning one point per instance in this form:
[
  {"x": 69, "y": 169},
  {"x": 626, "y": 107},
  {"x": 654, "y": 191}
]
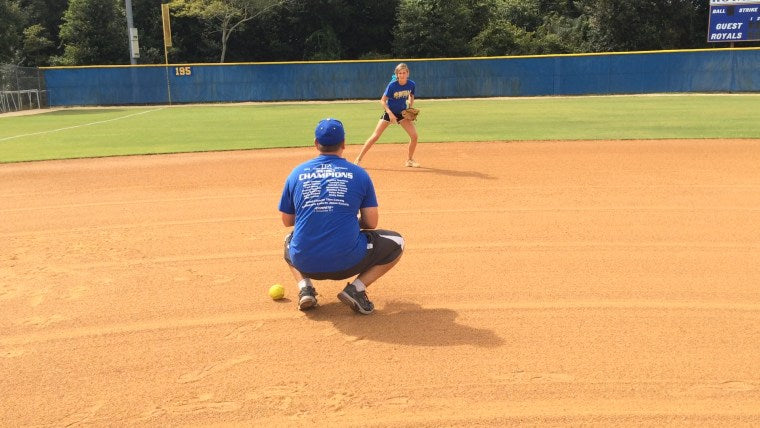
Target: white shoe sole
[{"x": 307, "y": 302}]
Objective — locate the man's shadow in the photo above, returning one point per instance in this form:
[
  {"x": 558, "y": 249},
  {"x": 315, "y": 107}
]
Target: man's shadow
[
  {"x": 439, "y": 171},
  {"x": 404, "y": 323}
]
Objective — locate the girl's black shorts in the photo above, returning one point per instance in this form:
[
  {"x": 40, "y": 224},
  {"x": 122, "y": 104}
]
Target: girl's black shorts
[{"x": 386, "y": 118}]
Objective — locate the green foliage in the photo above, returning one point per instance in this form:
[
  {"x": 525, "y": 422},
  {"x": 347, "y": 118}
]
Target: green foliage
[
  {"x": 322, "y": 45},
  {"x": 223, "y": 16},
  {"x": 93, "y": 32},
  {"x": 634, "y": 25},
  {"x": 36, "y": 45},
  {"x": 524, "y": 14},
  {"x": 563, "y": 34},
  {"x": 40, "y": 40},
  {"x": 11, "y": 23},
  {"x": 433, "y": 28},
  {"x": 501, "y": 37},
  {"x": 520, "y": 28},
  {"x": 293, "y": 31},
  {"x": 374, "y": 55},
  {"x": 359, "y": 26}
]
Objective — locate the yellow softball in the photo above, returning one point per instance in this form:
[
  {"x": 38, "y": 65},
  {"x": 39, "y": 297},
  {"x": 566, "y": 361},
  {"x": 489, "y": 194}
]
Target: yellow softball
[{"x": 277, "y": 292}]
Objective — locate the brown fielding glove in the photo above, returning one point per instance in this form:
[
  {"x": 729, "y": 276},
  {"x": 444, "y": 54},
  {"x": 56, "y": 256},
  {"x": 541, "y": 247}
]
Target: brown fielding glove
[{"x": 410, "y": 113}]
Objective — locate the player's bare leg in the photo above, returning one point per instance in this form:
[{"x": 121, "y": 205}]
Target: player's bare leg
[
  {"x": 379, "y": 129},
  {"x": 296, "y": 273},
  {"x": 375, "y": 272},
  {"x": 410, "y": 129}
]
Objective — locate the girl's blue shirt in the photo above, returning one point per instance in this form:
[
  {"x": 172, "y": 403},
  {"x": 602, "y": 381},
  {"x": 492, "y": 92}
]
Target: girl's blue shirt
[{"x": 398, "y": 95}]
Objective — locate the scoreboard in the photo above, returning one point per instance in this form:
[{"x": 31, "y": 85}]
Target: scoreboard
[{"x": 733, "y": 21}]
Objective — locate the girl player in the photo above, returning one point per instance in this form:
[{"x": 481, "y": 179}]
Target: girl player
[{"x": 398, "y": 95}]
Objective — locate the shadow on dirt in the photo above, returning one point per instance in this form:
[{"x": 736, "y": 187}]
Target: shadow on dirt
[
  {"x": 438, "y": 171},
  {"x": 405, "y": 324}
]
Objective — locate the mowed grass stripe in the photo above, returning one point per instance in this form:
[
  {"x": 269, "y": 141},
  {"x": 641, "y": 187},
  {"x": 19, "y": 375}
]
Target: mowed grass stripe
[{"x": 72, "y": 133}]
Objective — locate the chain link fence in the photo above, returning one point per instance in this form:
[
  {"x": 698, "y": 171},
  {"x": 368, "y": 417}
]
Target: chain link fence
[{"x": 21, "y": 88}]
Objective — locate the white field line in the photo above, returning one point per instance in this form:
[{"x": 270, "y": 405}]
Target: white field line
[{"x": 80, "y": 126}]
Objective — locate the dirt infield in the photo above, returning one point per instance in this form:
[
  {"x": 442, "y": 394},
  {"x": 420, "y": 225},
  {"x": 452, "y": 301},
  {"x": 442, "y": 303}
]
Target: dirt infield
[{"x": 543, "y": 283}]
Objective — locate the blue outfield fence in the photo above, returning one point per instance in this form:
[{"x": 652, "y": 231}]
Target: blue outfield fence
[{"x": 710, "y": 70}]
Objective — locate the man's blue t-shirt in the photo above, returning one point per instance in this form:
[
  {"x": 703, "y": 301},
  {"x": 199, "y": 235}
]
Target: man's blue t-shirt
[
  {"x": 398, "y": 94},
  {"x": 325, "y": 194}
]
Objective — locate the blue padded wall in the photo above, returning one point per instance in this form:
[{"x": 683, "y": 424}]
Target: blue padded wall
[{"x": 714, "y": 70}]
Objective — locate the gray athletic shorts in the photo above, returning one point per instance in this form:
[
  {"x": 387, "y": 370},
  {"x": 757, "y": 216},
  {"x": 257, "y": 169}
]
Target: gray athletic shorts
[{"x": 383, "y": 247}]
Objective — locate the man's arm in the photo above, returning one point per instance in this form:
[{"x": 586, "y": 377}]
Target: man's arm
[
  {"x": 368, "y": 218},
  {"x": 288, "y": 219}
]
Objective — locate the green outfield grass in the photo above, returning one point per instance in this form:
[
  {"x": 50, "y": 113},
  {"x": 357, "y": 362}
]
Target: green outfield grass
[{"x": 73, "y": 133}]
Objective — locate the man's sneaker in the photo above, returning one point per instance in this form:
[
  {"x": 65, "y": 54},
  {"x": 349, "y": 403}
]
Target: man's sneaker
[
  {"x": 307, "y": 298},
  {"x": 356, "y": 300},
  {"x": 411, "y": 163}
]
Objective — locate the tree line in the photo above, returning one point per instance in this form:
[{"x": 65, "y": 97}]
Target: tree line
[{"x": 94, "y": 32}]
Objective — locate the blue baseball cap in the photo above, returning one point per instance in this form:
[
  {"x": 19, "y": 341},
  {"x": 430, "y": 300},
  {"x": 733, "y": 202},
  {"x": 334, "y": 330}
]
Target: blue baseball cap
[{"x": 329, "y": 132}]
